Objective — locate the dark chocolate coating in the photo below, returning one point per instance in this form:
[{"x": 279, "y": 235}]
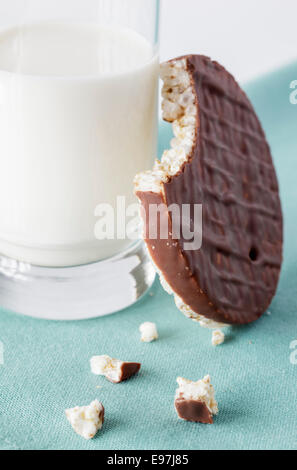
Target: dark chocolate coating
[
  {"x": 129, "y": 369},
  {"x": 193, "y": 410},
  {"x": 102, "y": 414},
  {"x": 234, "y": 276}
]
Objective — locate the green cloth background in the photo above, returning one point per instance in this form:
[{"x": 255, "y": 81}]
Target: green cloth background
[{"x": 46, "y": 364}]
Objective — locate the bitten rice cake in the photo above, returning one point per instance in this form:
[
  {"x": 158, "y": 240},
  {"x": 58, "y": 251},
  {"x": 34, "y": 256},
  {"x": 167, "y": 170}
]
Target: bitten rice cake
[{"x": 219, "y": 159}]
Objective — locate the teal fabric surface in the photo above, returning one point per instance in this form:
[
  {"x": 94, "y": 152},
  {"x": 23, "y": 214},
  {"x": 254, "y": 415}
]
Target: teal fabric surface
[{"x": 46, "y": 364}]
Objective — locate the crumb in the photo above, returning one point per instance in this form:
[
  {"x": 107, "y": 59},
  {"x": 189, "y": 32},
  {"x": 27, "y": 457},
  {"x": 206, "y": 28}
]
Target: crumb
[
  {"x": 195, "y": 401},
  {"x": 86, "y": 420},
  {"x": 113, "y": 369},
  {"x": 218, "y": 338},
  {"x": 148, "y": 332}
]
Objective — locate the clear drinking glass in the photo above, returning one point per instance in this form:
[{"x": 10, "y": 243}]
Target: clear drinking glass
[{"x": 78, "y": 119}]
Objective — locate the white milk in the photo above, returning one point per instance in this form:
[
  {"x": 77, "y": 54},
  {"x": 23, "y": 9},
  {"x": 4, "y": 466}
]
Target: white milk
[{"x": 77, "y": 122}]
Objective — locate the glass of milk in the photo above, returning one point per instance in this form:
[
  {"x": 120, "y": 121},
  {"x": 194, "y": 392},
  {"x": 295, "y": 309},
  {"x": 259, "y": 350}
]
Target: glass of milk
[{"x": 78, "y": 119}]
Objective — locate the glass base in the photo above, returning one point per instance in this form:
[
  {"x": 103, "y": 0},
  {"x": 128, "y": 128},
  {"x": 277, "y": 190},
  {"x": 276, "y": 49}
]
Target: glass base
[{"x": 79, "y": 292}]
